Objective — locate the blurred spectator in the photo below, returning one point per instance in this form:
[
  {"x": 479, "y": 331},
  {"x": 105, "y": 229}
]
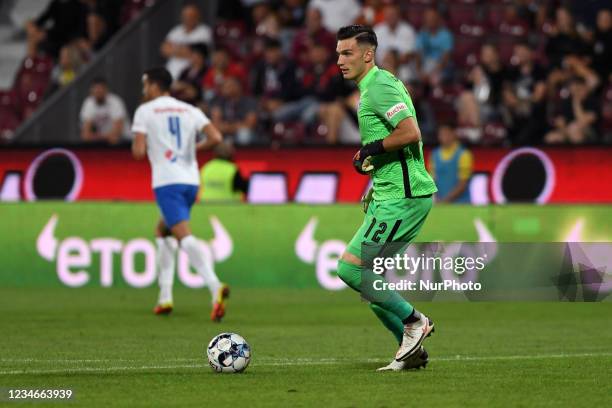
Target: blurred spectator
[
  {"x": 405, "y": 73},
  {"x": 66, "y": 70},
  {"x": 371, "y": 13},
  {"x": 103, "y": 115},
  {"x": 480, "y": 102},
  {"x": 61, "y": 22},
  {"x": 292, "y": 13},
  {"x": 512, "y": 23},
  {"x": 265, "y": 21},
  {"x": 176, "y": 46},
  {"x": 563, "y": 38},
  {"x": 434, "y": 44},
  {"x": 97, "y": 35},
  {"x": 523, "y": 98},
  {"x": 312, "y": 33},
  {"x": 326, "y": 92},
  {"x": 602, "y": 45},
  {"x": 188, "y": 86},
  {"x": 577, "y": 118},
  {"x": 234, "y": 114},
  {"x": 221, "y": 68},
  {"x": 275, "y": 81},
  {"x": 393, "y": 33},
  {"x": 451, "y": 165},
  {"x": 110, "y": 11},
  {"x": 221, "y": 178},
  {"x": 337, "y": 13}
]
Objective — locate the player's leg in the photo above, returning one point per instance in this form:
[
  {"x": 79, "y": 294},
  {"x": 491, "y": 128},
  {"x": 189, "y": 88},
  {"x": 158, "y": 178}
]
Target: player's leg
[
  {"x": 351, "y": 274},
  {"x": 181, "y": 230},
  {"x": 351, "y": 271},
  {"x": 189, "y": 244},
  {"x": 166, "y": 258},
  {"x": 390, "y": 321},
  {"x": 407, "y": 217}
]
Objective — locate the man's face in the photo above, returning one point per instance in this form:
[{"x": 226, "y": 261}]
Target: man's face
[
  {"x": 523, "y": 54},
  {"x": 220, "y": 59},
  {"x": 488, "y": 55},
  {"x": 231, "y": 88},
  {"x": 391, "y": 13},
  {"x": 318, "y": 54},
  {"x": 604, "y": 20},
  {"x": 99, "y": 91},
  {"x": 352, "y": 58},
  {"x": 146, "y": 89},
  {"x": 431, "y": 19},
  {"x": 190, "y": 17},
  {"x": 313, "y": 20},
  {"x": 273, "y": 55},
  {"x": 446, "y": 136}
]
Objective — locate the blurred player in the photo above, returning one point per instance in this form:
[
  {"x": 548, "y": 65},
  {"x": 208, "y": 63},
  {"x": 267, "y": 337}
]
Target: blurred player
[
  {"x": 396, "y": 209},
  {"x": 165, "y": 129}
]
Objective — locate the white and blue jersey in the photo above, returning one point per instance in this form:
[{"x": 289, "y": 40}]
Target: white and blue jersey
[{"x": 171, "y": 128}]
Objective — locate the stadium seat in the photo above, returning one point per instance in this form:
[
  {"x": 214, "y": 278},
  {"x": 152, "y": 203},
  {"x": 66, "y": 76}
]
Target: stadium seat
[
  {"x": 288, "y": 132},
  {"x": 132, "y": 8},
  {"x": 495, "y": 14},
  {"x": 461, "y": 13},
  {"x": 415, "y": 13},
  {"x": 442, "y": 101},
  {"x": 515, "y": 29},
  {"x": 422, "y": 2},
  {"x": 494, "y": 133},
  {"x": 505, "y": 45},
  {"x": 231, "y": 35},
  {"x": 9, "y": 116},
  {"x": 466, "y": 50}
]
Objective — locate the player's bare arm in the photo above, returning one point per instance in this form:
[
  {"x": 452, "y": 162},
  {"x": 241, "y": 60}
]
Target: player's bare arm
[
  {"x": 213, "y": 137},
  {"x": 139, "y": 146}
]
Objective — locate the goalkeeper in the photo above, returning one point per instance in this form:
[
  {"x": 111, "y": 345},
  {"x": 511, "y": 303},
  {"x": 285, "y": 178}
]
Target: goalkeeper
[{"x": 392, "y": 154}]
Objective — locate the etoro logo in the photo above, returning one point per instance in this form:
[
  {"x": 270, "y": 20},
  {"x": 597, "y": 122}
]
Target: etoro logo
[
  {"x": 325, "y": 255},
  {"x": 74, "y": 264}
]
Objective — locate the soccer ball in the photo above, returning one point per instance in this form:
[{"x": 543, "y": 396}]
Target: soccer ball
[{"x": 228, "y": 353}]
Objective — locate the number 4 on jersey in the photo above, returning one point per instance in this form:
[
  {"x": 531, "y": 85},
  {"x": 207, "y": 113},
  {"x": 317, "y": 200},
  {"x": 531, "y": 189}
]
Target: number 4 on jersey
[{"x": 174, "y": 125}]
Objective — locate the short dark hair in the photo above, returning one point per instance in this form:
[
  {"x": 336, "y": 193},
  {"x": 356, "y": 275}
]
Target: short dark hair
[
  {"x": 99, "y": 80},
  {"x": 159, "y": 76},
  {"x": 448, "y": 123},
  {"x": 363, "y": 34},
  {"x": 271, "y": 42},
  {"x": 200, "y": 48}
]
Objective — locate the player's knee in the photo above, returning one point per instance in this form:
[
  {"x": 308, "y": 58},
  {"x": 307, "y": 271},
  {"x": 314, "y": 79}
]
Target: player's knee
[
  {"x": 350, "y": 258},
  {"x": 349, "y": 273}
]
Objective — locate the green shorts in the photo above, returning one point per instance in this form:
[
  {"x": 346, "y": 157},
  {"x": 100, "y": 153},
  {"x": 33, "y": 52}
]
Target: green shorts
[{"x": 397, "y": 220}]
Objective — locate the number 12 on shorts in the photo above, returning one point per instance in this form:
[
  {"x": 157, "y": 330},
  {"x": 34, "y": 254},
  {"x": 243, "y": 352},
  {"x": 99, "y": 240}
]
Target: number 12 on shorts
[{"x": 174, "y": 125}]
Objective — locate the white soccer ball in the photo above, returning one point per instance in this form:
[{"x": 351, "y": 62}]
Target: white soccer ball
[{"x": 228, "y": 353}]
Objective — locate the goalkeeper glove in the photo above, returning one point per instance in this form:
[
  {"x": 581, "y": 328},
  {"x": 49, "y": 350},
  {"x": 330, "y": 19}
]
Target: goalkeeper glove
[{"x": 362, "y": 161}]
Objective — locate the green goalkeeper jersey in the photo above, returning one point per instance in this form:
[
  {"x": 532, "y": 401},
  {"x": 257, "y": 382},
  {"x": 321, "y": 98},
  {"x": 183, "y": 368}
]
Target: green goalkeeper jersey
[{"x": 383, "y": 103}]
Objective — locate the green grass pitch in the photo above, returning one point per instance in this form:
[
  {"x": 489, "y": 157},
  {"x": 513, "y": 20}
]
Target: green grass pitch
[{"x": 310, "y": 348}]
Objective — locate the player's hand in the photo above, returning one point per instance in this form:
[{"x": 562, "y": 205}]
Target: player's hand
[
  {"x": 362, "y": 161},
  {"x": 362, "y": 166},
  {"x": 366, "y": 199}
]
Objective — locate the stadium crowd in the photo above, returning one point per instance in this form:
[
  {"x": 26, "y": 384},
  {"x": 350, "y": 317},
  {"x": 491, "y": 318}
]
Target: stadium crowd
[
  {"x": 60, "y": 41},
  {"x": 510, "y": 72}
]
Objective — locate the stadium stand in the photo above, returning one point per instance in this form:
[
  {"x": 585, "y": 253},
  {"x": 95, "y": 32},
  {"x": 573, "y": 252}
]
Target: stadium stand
[{"x": 567, "y": 39}]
